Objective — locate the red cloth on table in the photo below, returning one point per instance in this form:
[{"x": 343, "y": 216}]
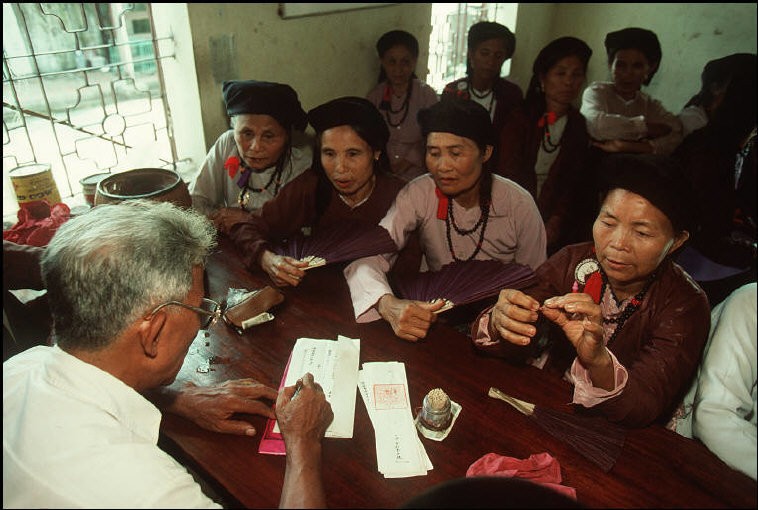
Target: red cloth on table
[
  {"x": 541, "y": 468},
  {"x": 37, "y": 223}
]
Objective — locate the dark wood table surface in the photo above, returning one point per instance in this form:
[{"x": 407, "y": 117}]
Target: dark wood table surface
[{"x": 657, "y": 468}]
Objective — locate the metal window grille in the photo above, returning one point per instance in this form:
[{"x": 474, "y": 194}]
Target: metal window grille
[
  {"x": 83, "y": 92},
  {"x": 447, "y": 43}
]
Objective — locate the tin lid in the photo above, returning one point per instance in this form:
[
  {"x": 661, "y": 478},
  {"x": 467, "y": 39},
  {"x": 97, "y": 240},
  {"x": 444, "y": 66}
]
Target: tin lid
[
  {"x": 29, "y": 169},
  {"x": 93, "y": 179}
]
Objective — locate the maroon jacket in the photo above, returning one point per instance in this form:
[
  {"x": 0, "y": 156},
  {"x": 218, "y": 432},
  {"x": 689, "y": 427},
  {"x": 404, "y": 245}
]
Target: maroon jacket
[
  {"x": 565, "y": 201},
  {"x": 507, "y": 94},
  {"x": 295, "y": 207},
  {"x": 660, "y": 345}
]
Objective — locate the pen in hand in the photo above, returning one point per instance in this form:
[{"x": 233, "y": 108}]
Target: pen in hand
[{"x": 298, "y": 387}]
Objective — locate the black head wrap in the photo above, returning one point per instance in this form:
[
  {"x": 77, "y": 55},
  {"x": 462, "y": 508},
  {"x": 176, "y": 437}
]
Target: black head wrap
[
  {"x": 352, "y": 111},
  {"x": 390, "y": 40},
  {"x": 265, "y": 98},
  {"x": 638, "y": 39},
  {"x": 486, "y": 30},
  {"x": 461, "y": 117},
  {"x": 558, "y": 49},
  {"x": 658, "y": 179},
  {"x": 549, "y": 56},
  {"x": 397, "y": 38}
]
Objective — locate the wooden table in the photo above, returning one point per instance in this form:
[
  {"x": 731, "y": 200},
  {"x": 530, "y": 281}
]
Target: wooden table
[{"x": 657, "y": 468}]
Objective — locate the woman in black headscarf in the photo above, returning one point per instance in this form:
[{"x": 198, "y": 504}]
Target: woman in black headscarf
[
  {"x": 399, "y": 96},
  {"x": 460, "y": 210},
  {"x": 623, "y": 316},
  {"x": 490, "y": 44},
  {"x": 544, "y": 144},
  {"x": 349, "y": 181},
  {"x": 620, "y": 117},
  {"x": 249, "y": 164},
  {"x": 720, "y": 160}
]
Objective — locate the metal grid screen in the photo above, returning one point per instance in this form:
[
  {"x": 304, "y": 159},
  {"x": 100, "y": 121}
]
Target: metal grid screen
[{"x": 82, "y": 92}]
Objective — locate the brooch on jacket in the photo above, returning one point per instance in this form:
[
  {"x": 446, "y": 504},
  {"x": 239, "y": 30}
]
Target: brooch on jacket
[{"x": 587, "y": 274}]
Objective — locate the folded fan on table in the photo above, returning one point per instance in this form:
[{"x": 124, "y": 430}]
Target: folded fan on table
[
  {"x": 339, "y": 243},
  {"x": 592, "y": 436},
  {"x": 463, "y": 282}
]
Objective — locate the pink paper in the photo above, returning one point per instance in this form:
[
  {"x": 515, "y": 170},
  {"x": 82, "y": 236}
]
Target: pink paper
[
  {"x": 272, "y": 443},
  {"x": 540, "y": 468}
]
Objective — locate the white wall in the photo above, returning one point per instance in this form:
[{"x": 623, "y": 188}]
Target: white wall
[{"x": 182, "y": 94}]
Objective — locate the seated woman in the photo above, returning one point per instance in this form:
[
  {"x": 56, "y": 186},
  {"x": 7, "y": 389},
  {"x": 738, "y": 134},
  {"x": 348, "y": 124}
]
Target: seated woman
[
  {"x": 620, "y": 117},
  {"x": 630, "y": 322},
  {"x": 349, "y": 181},
  {"x": 460, "y": 210},
  {"x": 720, "y": 408},
  {"x": 399, "y": 96},
  {"x": 715, "y": 77},
  {"x": 490, "y": 44},
  {"x": 249, "y": 164},
  {"x": 544, "y": 145},
  {"x": 720, "y": 159}
]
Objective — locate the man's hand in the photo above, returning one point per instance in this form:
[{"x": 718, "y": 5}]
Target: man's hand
[
  {"x": 410, "y": 320},
  {"x": 302, "y": 412},
  {"x": 212, "y": 407},
  {"x": 283, "y": 270},
  {"x": 303, "y": 415}
]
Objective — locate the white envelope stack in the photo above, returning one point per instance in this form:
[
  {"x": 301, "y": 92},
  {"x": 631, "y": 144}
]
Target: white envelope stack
[{"x": 399, "y": 451}]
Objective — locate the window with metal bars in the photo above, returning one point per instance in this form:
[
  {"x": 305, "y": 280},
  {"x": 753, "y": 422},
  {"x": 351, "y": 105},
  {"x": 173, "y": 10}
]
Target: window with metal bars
[
  {"x": 82, "y": 92},
  {"x": 448, "y": 41}
]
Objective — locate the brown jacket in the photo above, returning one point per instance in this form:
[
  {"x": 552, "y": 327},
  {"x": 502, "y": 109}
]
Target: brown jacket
[{"x": 660, "y": 345}]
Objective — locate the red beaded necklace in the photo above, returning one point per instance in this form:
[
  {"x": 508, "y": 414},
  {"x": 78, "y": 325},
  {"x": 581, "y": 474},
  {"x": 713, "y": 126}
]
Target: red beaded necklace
[{"x": 632, "y": 306}]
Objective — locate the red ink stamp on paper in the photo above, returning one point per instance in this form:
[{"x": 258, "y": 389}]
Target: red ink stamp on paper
[{"x": 389, "y": 396}]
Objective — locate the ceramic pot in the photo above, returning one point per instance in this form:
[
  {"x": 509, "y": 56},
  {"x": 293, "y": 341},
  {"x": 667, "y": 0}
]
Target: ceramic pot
[{"x": 148, "y": 183}]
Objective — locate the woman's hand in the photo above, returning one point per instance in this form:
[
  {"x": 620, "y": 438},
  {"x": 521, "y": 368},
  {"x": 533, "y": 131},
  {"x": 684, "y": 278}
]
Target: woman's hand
[
  {"x": 410, "y": 320},
  {"x": 614, "y": 146},
  {"x": 283, "y": 270},
  {"x": 581, "y": 320},
  {"x": 657, "y": 129},
  {"x": 514, "y": 315},
  {"x": 225, "y": 217}
]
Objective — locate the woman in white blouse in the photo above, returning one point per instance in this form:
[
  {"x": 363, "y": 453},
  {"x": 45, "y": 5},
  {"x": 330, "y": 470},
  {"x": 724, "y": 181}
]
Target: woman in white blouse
[
  {"x": 620, "y": 117},
  {"x": 460, "y": 210}
]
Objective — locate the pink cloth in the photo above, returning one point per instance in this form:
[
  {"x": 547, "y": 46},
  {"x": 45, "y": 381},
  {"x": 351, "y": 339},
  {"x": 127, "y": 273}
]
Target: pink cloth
[
  {"x": 541, "y": 468},
  {"x": 37, "y": 223}
]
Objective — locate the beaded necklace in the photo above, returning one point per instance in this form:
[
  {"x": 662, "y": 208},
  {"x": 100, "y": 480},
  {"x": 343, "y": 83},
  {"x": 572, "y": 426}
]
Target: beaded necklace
[
  {"x": 631, "y": 307},
  {"x": 490, "y": 94},
  {"x": 547, "y": 142},
  {"x": 450, "y": 219},
  {"x": 405, "y": 107},
  {"x": 244, "y": 195}
]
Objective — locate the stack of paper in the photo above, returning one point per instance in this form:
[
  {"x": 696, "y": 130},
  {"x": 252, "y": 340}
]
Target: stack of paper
[
  {"x": 334, "y": 366},
  {"x": 399, "y": 452}
]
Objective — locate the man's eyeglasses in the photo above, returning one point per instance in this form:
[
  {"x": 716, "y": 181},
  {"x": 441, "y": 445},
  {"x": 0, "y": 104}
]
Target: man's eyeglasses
[{"x": 209, "y": 310}]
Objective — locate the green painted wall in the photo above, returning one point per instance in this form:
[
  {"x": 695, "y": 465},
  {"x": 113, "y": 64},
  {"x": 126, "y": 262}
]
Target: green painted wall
[{"x": 690, "y": 35}]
